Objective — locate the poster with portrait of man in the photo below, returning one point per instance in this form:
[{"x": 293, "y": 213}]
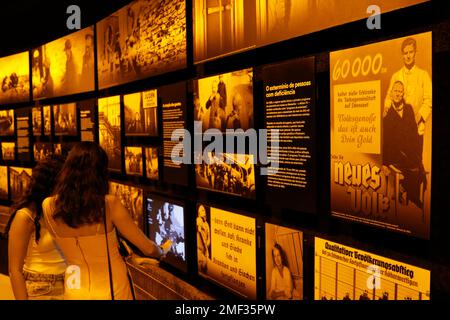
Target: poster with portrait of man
[
  {"x": 381, "y": 124},
  {"x": 65, "y": 119},
  {"x": 64, "y": 66},
  {"x": 15, "y": 78},
  {"x": 6, "y": 122},
  {"x": 141, "y": 113},
  {"x": 225, "y": 101},
  {"x": 284, "y": 263}
]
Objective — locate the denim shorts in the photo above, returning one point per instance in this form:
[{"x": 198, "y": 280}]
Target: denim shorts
[{"x": 44, "y": 286}]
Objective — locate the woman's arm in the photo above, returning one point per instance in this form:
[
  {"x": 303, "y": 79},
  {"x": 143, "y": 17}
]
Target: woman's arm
[
  {"x": 20, "y": 233},
  {"x": 128, "y": 229}
]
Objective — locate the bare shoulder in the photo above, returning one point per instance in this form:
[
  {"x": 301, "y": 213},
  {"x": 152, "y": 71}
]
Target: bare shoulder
[
  {"x": 111, "y": 199},
  {"x": 26, "y": 213},
  {"x": 48, "y": 202}
]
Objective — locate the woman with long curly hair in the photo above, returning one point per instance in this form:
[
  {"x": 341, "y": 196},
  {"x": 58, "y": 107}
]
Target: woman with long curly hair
[
  {"x": 82, "y": 217},
  {"x": 36, "y": 266}
]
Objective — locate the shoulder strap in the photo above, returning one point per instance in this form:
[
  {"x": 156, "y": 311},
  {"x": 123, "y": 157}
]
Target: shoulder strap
[
  {"x": 48, "y": 220},
  {"x": 111, "y": 285}
]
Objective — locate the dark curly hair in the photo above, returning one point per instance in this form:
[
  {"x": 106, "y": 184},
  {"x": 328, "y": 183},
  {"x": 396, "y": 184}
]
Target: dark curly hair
[
  {"x": 43, "y": 179},
  {"x": 284, "y": 260},
  {"x": 82, "y": 185}
]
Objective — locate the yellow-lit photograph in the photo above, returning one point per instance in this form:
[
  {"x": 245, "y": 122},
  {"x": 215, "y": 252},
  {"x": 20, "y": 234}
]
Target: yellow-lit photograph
[
  {"x": 151, "y": 163},
  {"x": 144, "y": 38},
  {"x": 3, "y": 183},
  {"x": 131, "y": 198},
  {"x": 346, "y": 273},
  {"x": 6, "y": 122},
  {"x": 109, "y": 130},
  {"x": 8, "y": 151},
  {"x": 64, "y": 66},
  {"x": 134, "y": 161},
  {"x": 19, "y": 180},
  {"x": 15, "y": 78}
]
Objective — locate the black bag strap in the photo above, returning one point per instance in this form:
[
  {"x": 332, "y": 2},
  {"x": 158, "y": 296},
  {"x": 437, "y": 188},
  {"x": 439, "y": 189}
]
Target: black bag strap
[{"x": 111, "y": 286}]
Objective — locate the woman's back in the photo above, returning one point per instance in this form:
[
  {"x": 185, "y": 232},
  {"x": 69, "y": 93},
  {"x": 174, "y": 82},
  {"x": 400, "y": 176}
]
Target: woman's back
[{"x": 87, "y": 275}]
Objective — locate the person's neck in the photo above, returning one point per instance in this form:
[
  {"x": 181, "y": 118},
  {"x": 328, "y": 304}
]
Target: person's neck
[
  {"x": 398, "y": 106},
  {"x": 409, "y": 67}
]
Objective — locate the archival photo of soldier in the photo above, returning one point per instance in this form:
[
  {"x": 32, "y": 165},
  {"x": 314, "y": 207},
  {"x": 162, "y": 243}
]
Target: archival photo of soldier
[
  {"x": 141, "y": 113},
  {"x": 144, "y": 38},
  {"x": 15, "y": 78},
  {"x": 36, "y": 118},
  {"x": 8, "y": 151},
  {"x": 42, "y": 150},
  {"x": 6, "y": 122},
  {"x": 228, "y": 173},
  {"x": 131, "y": 198},
  {"x": 151, "y": 163},
  {"x": 109, "y": 130},
  {"x": 4, "y": 183},
  {"x": 225, "y": 101},
  {"x": 65, "y": 119},
  {"x": 19, "y": 180},
  {"x": 134, "y": 161},
  {"x": 47, "y": 119},
  {"x": 64, "y": 66}
]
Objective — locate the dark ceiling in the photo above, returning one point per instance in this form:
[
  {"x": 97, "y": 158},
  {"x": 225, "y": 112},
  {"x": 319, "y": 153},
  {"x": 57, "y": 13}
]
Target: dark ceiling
[{"x": 28, "y": 23}]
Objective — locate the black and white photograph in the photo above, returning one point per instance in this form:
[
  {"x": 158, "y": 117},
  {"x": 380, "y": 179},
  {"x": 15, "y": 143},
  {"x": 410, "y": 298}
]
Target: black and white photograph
[
  {"x": 6, "y": 122},
  {"x": 131, "y": 198},
  {"x": 144, "y": 38},
  {"x": 109, "y": 130},
  {"x": 284, "y": 263},
  {"x": 65, "y": 119},
  {"x": 3, "y": 183},
  {"x": 141, "y": 113},
  {"x": 151, "y": 163},
  {"x": 225, "y": 101},
  {"x": 134, "y": 161},
  {"x": 19, "y": 180},
  {"x": 166, "y": 222},
  {"x": 8, "y": 151},
  {"x": 228, "y": 173},
  {"x": 42, "y": 151}
]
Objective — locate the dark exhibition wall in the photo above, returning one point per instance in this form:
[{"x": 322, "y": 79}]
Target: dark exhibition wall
[{"x": 354, "y": 203}]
